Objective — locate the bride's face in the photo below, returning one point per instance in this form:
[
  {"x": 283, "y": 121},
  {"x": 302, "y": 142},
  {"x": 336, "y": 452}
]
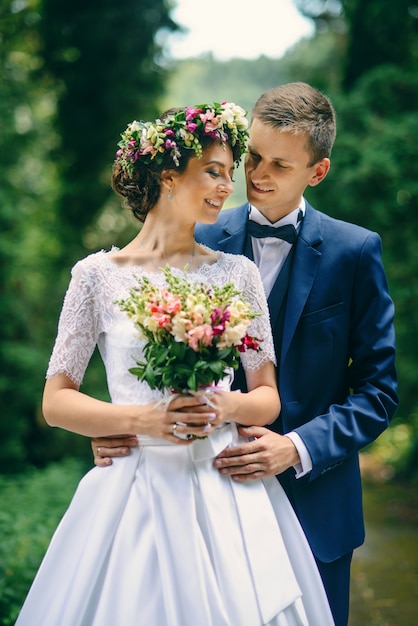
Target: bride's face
[{"x": 205, "y": 184}]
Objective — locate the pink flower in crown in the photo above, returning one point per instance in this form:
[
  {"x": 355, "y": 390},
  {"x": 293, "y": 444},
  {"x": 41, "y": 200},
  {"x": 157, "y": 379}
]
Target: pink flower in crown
[
  {"x": 211, "y": 128},
  {"x": 169, "y": 144},
  {"x": 191, "y": 126},
  {"x": 210, "y": 122},
  {"x": 200, "y": 335},
  {"x": 147, "y": 149},
  {"x": 191, "y": 113},
  {"x": 209, "y": 115}
]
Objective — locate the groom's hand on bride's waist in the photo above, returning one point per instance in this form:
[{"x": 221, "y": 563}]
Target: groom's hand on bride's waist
[
  {"x": 104, "y": 448},
  {"x": 266, "y": 454}
]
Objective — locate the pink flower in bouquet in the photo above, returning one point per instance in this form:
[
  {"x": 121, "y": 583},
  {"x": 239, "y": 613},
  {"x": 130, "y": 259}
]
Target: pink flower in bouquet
[
  {"x": 162, "y": 319},
  {"x": 172, "y": 302},
  {"x": 218, "y": 318},
  {"x": 200, "y": 336},
  {"x": 194, "y": 332}
]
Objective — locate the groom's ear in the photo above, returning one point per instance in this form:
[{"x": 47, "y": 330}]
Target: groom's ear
[{"x": 321, "y": 169}]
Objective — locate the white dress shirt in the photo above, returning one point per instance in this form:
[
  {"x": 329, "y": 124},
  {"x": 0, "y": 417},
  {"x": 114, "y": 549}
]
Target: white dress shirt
[{"x": 270, "y": 254}]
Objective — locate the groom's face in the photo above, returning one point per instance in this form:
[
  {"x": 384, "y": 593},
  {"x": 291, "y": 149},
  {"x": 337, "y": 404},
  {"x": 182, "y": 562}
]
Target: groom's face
[{"x": 277, "y": 170}]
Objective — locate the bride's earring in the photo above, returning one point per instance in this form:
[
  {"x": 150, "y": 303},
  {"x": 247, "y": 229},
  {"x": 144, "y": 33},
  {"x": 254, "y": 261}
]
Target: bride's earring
[{"x": 170, "y": 194}]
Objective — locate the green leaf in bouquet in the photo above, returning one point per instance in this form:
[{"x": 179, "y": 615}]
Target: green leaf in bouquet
[
  {"x": 144, "y": 372},
  {"x": 217, "y": 367},
  {"x": 190, "y": 356},
  {"x": 138, "y": 371},
  {"x": 192, "y": 382},
  {"x": 200, "y": 365},
  {"x": 178, "y": 349},
  {"x": 162, "y": 357},
  {"x": 170, "y": 380},
  {"x": 224, "y": 353},
  {"x": 182, "y": 372}
]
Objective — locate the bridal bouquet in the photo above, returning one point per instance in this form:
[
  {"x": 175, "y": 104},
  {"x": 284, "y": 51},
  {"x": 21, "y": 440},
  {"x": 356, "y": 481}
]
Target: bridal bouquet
[{"x": 194, "y": 332}]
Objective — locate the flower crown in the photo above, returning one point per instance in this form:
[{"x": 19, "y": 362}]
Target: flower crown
[{"x": 180, "y": 130}]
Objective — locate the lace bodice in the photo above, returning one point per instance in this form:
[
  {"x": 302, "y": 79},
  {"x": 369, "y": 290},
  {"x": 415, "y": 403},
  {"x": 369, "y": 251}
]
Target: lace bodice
[{"x": 90, "y": 317}]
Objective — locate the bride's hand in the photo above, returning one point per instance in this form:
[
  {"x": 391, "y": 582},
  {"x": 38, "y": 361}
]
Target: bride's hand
[
  {"x": 223, "y": 404},
  {"x": 167, "y": 419},
  {"x": 169, "y": 423}
]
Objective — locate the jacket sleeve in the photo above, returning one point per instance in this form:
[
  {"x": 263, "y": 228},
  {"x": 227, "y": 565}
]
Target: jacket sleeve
[{"x": 370, "y": 373}]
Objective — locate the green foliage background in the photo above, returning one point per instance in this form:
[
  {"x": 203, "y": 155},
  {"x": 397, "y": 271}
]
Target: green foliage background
[
  {"x": 71, "y": 76},
  {"x": 25, "y": 536}
]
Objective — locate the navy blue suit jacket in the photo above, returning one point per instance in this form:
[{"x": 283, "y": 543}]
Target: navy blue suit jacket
[{"x": 337, "y": 377}]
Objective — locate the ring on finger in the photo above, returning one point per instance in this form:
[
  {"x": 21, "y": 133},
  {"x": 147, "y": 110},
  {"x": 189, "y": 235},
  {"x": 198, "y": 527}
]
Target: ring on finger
[
  {"x": 174, "y": 428},
  {"x": 98, "y": 451}
]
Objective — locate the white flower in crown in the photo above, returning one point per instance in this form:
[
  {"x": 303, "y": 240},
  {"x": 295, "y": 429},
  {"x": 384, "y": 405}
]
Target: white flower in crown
[
  {"x": 234, "y": 115},
  {"x": 182, "y": 130}
]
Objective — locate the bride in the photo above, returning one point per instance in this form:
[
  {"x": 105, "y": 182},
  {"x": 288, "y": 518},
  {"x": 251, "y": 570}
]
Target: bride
[{"x": 161, "y": 538}]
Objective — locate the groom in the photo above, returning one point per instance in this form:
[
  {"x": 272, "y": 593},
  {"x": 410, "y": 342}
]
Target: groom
[{"x": 332, "y": 321}]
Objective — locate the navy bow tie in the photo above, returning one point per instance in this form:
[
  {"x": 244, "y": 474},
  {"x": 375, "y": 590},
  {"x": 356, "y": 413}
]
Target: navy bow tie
[{"x": 287, "y": 232}]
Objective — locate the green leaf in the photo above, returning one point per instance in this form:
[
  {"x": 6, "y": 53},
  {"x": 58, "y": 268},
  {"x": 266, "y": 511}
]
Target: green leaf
[
  {"x": 178, "y": 349},
  {"x": 226, "y": 352},
  {"x": 192, "y": 382},
  {"x": 218, "y": 367},
  {"x": 138, "y": 371}
]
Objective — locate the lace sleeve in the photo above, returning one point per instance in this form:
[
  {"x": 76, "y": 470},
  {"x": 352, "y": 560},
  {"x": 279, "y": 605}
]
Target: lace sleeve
[
  {"x": 78, "y": 327},
  {"x": 254, "y": 293}
]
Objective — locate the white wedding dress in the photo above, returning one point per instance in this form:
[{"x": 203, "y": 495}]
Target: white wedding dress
[{"x": 160, "y": 538}]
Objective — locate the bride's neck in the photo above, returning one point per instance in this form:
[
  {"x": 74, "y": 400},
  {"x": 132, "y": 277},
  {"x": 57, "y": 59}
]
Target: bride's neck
[{"x": 170, "y": 240}]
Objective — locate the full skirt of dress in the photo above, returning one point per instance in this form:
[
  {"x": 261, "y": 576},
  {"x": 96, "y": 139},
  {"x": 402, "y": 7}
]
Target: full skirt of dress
[{"x": 161, "y": 538}]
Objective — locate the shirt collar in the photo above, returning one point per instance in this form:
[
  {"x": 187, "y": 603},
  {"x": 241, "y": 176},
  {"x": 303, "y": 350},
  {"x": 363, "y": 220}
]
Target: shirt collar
[{"x": 290, "y": 218}]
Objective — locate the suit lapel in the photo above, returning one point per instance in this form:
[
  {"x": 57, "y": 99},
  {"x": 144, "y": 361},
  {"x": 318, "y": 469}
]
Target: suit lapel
[
  {"x": 234, "y": 232},
  {"x": 304, "y": 270}
]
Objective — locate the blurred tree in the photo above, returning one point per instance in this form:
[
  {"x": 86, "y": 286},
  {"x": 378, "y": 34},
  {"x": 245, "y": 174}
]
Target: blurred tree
[
  {"x": 379, "y": 32},
  {"x": 204, "y": 79},
  {"x": 376, "y": 32},
  {"x": 18, "y": 193},
  {"x": 73, "y": 75},
  {"x": 103, "y": 58}
]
